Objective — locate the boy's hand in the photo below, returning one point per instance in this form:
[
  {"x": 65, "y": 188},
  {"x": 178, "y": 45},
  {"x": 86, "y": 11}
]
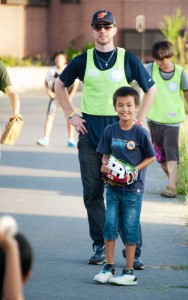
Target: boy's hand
[{"x": 105, "y": 168}]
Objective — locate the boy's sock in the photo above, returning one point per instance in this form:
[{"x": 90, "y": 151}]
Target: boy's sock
[
  {"x": 129, "y": 271},
  {"x": 110, "y": 266}
]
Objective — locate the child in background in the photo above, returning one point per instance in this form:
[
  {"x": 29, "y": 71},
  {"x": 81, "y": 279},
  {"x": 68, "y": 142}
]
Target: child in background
[
  {"x": 128, "y": 142},
  {"x": 15, "y": 264},
  {"x": 60, "y": 60},
  {"x": 167, "y": 111}
]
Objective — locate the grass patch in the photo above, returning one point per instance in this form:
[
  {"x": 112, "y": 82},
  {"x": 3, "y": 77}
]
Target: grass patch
[
  {"x": 171, "y": 267},
  {"x": 176, "y": 268},
  {"x": 182, "y": 183}
]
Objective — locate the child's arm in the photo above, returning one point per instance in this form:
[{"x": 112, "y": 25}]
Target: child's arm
[
  {"x": 12, "y": 284},
  {"x": 104, "y": 167},
  {"x": 49, "y": 92},
  {"x": 146, "y": 162},
  {"x": 186, "y": 96}
]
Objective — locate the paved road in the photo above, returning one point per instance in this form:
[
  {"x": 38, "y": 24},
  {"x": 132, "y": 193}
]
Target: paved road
[{"x": 41, "y": 187}]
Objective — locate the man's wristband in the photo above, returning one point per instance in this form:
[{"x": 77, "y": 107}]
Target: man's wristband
[{"x": 71, "y": 116}]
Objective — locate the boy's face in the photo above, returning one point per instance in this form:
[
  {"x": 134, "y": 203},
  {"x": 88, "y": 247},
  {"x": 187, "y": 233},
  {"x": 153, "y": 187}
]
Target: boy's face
[
  {"x": 60, "y": 60},
  {"x": 126, "y": 108},
  {"x": 164, "y": 64}
]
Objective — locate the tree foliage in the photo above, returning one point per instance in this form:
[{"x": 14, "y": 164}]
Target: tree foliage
[{"x": 172, "y": 26}]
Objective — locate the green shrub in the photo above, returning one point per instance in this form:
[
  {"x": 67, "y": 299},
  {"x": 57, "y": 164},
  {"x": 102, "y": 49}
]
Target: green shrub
[
  {"x": 38, "y": 60},
  {"x": 171, "y": 27},
  {"x": 73, "y": 49},
  {"x": 182, "y": 184}
]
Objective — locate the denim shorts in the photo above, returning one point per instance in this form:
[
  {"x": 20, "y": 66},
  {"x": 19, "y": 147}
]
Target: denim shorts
[{"x": 123, "y": 209}]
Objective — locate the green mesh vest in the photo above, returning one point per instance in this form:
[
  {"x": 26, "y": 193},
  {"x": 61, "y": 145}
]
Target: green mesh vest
[
  {"x": 99, "y": 86},
  {"x": 168, "y": 105}
]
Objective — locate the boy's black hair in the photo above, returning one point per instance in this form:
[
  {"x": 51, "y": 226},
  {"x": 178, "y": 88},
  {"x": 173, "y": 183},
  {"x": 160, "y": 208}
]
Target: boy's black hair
[
  {"x": 26, "y": 258},
  {"x": 162, "y": 50},
  {"x": 58, "y": 52},
  {"x": 126, "y": 91}
]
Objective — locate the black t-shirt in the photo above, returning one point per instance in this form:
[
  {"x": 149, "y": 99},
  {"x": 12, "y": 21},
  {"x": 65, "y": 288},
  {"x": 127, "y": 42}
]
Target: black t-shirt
[{"x": 134, "y": 71}]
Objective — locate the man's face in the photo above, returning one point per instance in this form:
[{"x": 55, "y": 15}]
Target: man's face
[{"x": 103, "y": 32}]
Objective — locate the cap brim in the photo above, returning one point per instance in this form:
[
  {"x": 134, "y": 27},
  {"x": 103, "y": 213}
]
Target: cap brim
[{"x": 103, "y": 20}]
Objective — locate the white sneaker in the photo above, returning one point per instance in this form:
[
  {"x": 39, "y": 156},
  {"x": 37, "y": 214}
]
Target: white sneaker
[
  {"x": 104, "y": 276},
  {"x": 71, "y": 143},
  {"x": 126, "y": 278},
  {"x": 43, "y": 142}
]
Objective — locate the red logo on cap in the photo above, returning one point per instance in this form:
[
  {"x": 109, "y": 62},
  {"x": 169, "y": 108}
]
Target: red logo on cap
[{"x": 101, "y": 15}]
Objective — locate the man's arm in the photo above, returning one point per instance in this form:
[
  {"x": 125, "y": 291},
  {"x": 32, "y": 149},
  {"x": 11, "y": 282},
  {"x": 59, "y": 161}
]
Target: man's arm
[
  {"x": 62, "y": 95},
  {"x": 74, "y": 89},
  {"x": 146, "y": 104},
  {"x": 14, "y": 99}
]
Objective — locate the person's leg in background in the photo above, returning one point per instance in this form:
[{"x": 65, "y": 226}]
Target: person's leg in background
[
  {"x": 70, "y": 130},
  {"x": 171, "y": 135},
  {"x": 93, "y": 190},
  {"x": 165, "y": 142},
  {"x": 51, "y": 111}
]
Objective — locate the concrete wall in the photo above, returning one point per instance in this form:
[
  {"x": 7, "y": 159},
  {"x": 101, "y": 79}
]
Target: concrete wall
[
  {"x": 27, "y": 78},
  {"x": 28, "y": 31}
]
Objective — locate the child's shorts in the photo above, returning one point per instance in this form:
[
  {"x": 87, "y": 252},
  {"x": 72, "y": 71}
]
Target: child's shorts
[
  {"x": 123, "y": 209},
  {"x": 165, "y": 141},
  {"x": 52, "y": 107}
]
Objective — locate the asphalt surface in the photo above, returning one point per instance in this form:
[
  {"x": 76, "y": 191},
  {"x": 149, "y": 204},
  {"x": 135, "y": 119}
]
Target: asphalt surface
[{"x": 42, "y": 188}]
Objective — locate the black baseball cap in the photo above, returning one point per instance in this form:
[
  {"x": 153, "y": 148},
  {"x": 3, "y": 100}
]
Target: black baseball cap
[{"x": 103, "y": 15}]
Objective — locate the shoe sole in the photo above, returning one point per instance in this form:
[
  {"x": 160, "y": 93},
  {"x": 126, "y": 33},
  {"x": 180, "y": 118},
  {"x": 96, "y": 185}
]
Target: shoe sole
[
  {"x": 138, "y": 268},
  {"x": 42, "y": 145},
  {"x": 168, "y": 196},
  {"x": 125, "y": 284},
  {"x": 96, "y": 263},
  {"x": 98, "y": 281}
]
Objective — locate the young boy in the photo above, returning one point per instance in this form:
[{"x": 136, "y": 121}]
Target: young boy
[
  {"x": 167, "y": 111},
  {"x": 130, "y": 143},
  {"x": 60, "y": 60}
]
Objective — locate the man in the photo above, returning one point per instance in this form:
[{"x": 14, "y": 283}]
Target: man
[
  {"x": 6, "y": 87},
  {"x": 102, "y": 70},
  {"x": 167, "y": 111}
]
